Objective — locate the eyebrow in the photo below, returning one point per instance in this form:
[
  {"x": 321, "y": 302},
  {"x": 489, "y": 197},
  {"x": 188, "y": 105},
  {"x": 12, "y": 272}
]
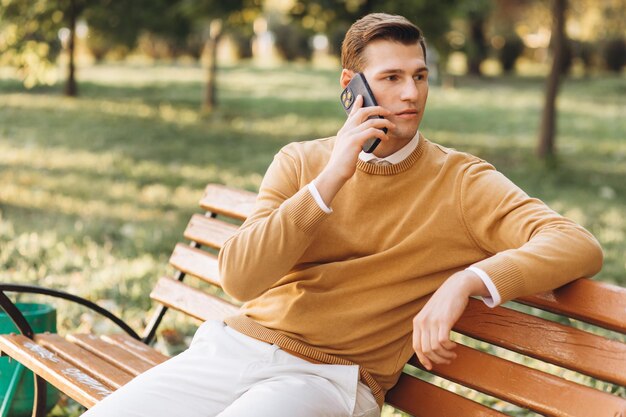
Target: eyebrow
[{"x": 399, "y": 71}]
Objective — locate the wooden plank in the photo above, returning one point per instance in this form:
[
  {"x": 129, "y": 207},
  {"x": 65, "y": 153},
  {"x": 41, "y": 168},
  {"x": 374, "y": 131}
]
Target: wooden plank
[
  {"x": 527, "y": 387},
  {"x": 91, "y": 364},
  {"x": 111, "y": 353},
  {"x": 593, "y": 302},
  {"x": 66, "y": 377},
  {"x": 546, "y": 340},
  {"x": 422, "y": 399},
  {"x": 191, "y": 301},
  {"x": 196, "y": 262},
  {"x": 136, "y": 347},
  {"x": 227, "y": 201},
  {"x": 209, "y": 231}
]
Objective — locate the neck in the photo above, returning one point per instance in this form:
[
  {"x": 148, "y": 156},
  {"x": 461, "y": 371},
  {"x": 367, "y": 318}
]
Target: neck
[{"x": 383, "y": 149}]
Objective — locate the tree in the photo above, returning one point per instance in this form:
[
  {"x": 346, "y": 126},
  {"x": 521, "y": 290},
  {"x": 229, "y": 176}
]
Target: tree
[
  {"x": 476, "y": 14},
  {"x": 28, "y": 39},
  {"x": 73, "y": 10},
  {"x": 214, "y": 17},
  {"x": 31, "y": 28},
  {"x": 546, "y": 148},
  {"x": 120, "y": 23}
]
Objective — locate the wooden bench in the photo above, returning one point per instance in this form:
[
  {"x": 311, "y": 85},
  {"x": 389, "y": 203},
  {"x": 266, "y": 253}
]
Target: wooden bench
[{"x": 88, "y": 368}]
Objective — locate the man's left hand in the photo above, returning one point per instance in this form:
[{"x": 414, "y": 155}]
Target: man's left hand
[{"x": 433, "y": 324}]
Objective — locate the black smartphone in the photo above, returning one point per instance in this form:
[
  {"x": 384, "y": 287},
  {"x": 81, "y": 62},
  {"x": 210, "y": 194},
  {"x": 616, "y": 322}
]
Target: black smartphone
[{"x": 358, "y": 85}]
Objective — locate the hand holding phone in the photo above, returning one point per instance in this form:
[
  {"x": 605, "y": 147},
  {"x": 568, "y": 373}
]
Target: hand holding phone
[{"x": 358, "y": 85}]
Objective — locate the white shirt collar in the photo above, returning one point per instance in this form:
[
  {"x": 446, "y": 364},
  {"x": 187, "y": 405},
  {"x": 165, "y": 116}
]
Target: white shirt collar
[{"x": 396, "y": 157}]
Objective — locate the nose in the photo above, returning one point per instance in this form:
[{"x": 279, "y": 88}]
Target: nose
[{"x": 409, "y": 90}]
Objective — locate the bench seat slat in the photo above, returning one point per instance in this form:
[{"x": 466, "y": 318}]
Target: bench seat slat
[
  {"x": 111, "y": 353},
  {"x": 196, "y": 262},
  {"x": 227, "y": 201},
  {"x": 209, "y": 231},
  {"x": 66, "y": 377},
  {"x": 527, "y": 387},
  {"x": 433, "y": 401},
  {"x": 136, "y": 347},
  {"x": 191, "y": 301},
  {"x": 543, "y": 339},
  {"x": 85, "y": 360},
  {"x": 591, "y": 301}
]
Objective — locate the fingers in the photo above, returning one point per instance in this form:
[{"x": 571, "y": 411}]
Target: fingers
[
  {"x": 378, "y": 123},
  {"x": 423, "y": 350},
  {"x": 361, "y": 113},
  {"x": 364, "y": 123},
  {"x": 372, "y": 128},
  {"x": 432, "y": 345},
  {"x": 361, "y": 137},
  {"x": 358, "y": 104}
]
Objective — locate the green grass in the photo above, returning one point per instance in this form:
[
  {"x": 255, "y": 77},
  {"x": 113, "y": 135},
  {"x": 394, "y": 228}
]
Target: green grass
[{"x": 95, "y": 191}]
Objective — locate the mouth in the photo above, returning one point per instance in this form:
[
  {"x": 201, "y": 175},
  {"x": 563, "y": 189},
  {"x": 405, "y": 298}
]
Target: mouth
[{"x": 407, "y": 114}]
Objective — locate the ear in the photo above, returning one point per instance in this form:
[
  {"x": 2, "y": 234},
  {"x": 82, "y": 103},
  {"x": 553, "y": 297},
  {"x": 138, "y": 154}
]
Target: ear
[{"x": 346, "y": 76}]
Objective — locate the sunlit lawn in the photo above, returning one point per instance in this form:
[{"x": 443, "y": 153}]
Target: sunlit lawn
[{"x": 95, "y": 191}]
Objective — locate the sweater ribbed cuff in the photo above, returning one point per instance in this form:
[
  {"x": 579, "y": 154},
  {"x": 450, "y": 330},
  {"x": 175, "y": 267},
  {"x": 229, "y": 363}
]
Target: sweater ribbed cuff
[
  {"x": 304, "y": 211},
  {"x": 506, "y": 276}
]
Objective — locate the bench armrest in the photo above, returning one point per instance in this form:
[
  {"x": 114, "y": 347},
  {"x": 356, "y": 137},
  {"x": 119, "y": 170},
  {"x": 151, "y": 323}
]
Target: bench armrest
[{"x": 23, "y": 326}]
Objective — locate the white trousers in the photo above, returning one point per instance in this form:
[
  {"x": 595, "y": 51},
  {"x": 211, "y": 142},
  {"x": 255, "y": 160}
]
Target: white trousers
[{"x": 226, "y": 373}]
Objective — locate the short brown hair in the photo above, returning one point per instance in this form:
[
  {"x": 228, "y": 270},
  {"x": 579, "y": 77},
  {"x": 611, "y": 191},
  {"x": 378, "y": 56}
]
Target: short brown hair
[{"x": 377, "y": 26}]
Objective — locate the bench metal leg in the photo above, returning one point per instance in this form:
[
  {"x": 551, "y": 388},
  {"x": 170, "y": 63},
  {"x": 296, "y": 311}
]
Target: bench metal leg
[
  {"x": 39, "y": 403},
  {"x": 151, "y": 329},
  {"x": 16, "y": 316}
]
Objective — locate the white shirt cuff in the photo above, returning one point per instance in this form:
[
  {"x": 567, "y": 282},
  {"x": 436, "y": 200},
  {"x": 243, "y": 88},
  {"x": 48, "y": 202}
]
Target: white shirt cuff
[
  {"x": 318, "y": 198},
  {"x": 495, "y": 298}
]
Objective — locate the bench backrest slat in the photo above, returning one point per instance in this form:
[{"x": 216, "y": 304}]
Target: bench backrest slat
[
  {"x": 536, "y": 390},
  {"x": 196, "y": 262},
  {"x": 230, "y": 202},
  {"x": 552, "y": 342},
  {"x": 208, "y": 231},
  {"x": 434, "y": 401},
  {"x": 594, "y": 302},
  {"x": 191, "y": 301}
]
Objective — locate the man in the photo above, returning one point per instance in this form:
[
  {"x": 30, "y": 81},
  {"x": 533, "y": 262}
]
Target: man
[{"x": 352, "y": 262}]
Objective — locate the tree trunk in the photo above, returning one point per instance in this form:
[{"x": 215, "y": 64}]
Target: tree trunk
[
  {"x": 71, "y": 90},
  {"x": 478, "y": 50},
  {"x": 210, "y": 49},
  {"x": 546, "y": 149}
]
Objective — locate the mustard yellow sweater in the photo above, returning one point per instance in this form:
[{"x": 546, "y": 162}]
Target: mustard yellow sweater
[{"x": 347, "y": 284}]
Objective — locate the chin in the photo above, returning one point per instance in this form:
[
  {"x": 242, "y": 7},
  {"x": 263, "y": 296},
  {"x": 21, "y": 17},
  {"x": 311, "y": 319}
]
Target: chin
[{"x": 406, "y": 134}]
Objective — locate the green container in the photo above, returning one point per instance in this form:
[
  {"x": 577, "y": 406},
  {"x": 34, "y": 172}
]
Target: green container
[{"x": 17, "y": 388}]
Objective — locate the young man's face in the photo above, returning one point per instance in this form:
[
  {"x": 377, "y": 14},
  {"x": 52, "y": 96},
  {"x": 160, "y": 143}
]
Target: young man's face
[{"x": 398, "y": 77}]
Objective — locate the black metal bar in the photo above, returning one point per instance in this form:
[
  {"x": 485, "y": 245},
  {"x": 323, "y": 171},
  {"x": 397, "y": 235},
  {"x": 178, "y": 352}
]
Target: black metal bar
[
  {"x": 40, "y": 400},
  {"x": 33, "y": 289},
  {"x": 15, "y": 315},
  {"x": 157, "y": 317}
]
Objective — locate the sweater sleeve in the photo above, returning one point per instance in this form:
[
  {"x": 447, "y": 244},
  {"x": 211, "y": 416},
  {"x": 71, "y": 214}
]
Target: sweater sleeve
[
  {"x": 274, "y": 236},
  {"x": 529, "y": 247}
]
